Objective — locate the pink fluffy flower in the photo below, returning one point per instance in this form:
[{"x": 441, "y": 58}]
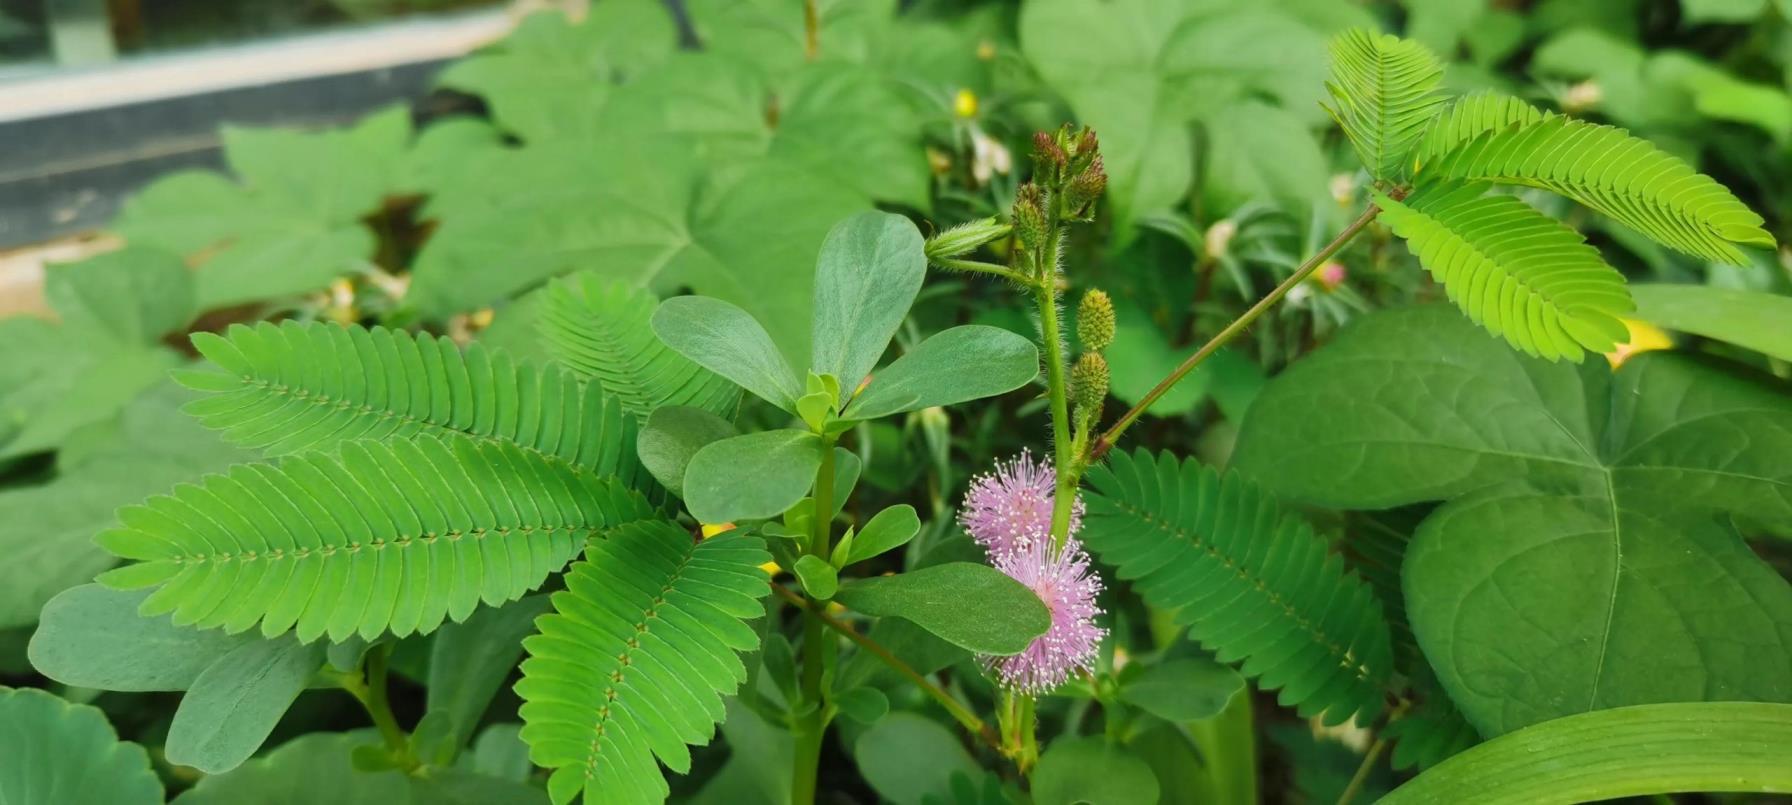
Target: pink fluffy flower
[
  {"x": 1011, "y": 507},
  {"x": 1068, "y": 586}
]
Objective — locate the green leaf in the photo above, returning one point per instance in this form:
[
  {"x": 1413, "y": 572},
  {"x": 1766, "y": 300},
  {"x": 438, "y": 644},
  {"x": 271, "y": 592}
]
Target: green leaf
[
  {"x": 972, "y": 606},
  {"x": 1142, "y": 357},
  {"x": 864, "y": 705},
  {"x": 672, "y": 436},
  {"x": 1183, "y": 689},
  {"x": 292, "y": 387},
  {"x": 1226, "y": 559},
  {"x": 1260, "y": 152},
  {"x": 46, "y": 531},
  {"x": 1552, "y": 583},
  {"x": 907, "y": 758},
  {"x": 1140, "y": 71},
  {"x": 870, "y": 268},
  {"x": 819, "y": 578},
  {"x": 635, "y": 660},
  {"x": 292, "y": 225},
  {"x": 136, "y": 295},
  {"x": 1750, "y": 319},
  {"x": 1651, "y": 191},
  {"x": 61, "y": 752},
  {"x": 1471, "y": 116},
  {"x": 885, "y": 531},
  {"x": 1091, "y": 770},
  {"x": 234, "y": 704},
  {"x": 1512, "y": 269},
  {"x": 92, "y": 637},
  {"x": 1627, "y": 752},
  {"x": 750, "y": 477},
  {"x": 747, "y": 234},
  {"x": 602, "y": 328},
  {"x": 1384, "y": 94},
  {"x": 967, "y": 362},
  {"x": 549, "y": 79},
  {"x": 344, "y": 543},
  {"x": 1722, "y": 11},
  {"x": 312, "y": 768},
  {"x": 728, "y": 341},
  {"x": 470, "y": 661}
]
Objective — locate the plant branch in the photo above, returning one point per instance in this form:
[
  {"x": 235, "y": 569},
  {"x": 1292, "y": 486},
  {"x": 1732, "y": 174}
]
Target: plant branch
[
  {"x": 816, "y": 656},
  {"x": 960, "y": 712},
  {"x": 371, "y": 693},
  {"x": 1106, "y": 442},
  {"x": 1362, "y": 771},
  {"x": 979, "y": 267}
]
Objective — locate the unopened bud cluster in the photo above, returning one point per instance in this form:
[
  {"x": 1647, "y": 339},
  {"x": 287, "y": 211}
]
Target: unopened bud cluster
[
  {"x": 1089, "y": 376},
  {"x": 1068, "y": 180}
]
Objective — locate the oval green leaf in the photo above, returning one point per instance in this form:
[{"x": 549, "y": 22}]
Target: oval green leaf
[
  {"x": 1090, "y": 770},
  {"x": 870, "y": 269},
  {"x": 972, "y": 606},
  {"x": 755, "y": 476},
  {"x": 672, "y": 436},
  {"x": 963, "y": 363},
  {"x": 728, "y": 341},
  {"x": 1750, "y": 319}
]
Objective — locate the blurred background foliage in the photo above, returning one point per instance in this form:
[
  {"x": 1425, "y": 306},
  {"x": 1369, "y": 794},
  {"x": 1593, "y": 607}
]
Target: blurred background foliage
[{"x": 703, "y": 146}]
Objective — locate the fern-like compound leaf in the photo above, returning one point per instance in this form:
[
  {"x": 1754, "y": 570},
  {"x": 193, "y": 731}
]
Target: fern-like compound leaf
[
  {"x": 602, "y": 329},
  {"x": 1384, "y": 94},
  {"x": 1620, "y": 176},
  {"x": 381, "y": 536},
  {"x": 292, "y": 387},
  {"x": 1251, "y": 582},
  {"x": 633, "y": 662},
  {"x": 1512, "y": 269},
  {"x": 1471, "y": 116}
]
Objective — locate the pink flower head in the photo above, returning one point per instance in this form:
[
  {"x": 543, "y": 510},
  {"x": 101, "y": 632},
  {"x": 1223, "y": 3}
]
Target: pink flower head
[
  {"x": 1011, "y": 507},
  {"x": 1068, "y": 587}
]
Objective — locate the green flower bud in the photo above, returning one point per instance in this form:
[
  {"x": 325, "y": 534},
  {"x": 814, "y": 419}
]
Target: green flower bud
[
  {"x": 1081, "y": 193},
  {"x": 1029, "y": 216},
  {"x": 1095, "y": 321},
  {"x": 965, "y": 238},
  {"x": 1049, "y": 159},
  {"x": 1084, "y": 149},
  {"x": 1089, "y": 384}
]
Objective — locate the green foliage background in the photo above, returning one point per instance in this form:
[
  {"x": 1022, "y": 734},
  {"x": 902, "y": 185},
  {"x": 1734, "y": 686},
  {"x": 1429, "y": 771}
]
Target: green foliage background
[{"x": 1626, "y": 529}]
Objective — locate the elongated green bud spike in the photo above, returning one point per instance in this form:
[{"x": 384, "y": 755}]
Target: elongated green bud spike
[
  {"x": 1089, "y": 384},
  {"x": 1029, "y": 216},
  {"x": 1095, "y": 321},
  {"x": 965, "y": 238}
]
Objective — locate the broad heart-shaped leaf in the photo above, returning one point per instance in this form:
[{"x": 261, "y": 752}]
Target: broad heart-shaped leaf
[
  {"x": 635, "y": 660},
  {"x": 93, "y": 637},
  {"x": 603, "y": 329},
  {"x": 234, "y": 704},
  {"x": 60, "y": 752},
  {"x": 1554, "y": 581},
  {"x": 114, "y": 310},
  {"x": 672, "y": 437},
  {"x": 966, "y": 362},
  {"x": 1752, "y": 319},
  {"x": 1624, "y": 752},
  {"x": 1089, "y": 769},
  {"x": 379, "y": 536},
  {"x": 642, "y": 210},
  {"x": 291, "y": 225},
  {"x": 973, "y": 606},
  {"x": 550, "y": 77},
  {"x": 46, "y": 531},
  {"x": 1142, "y": 71},
  {"x": 727, "y": 340},
  {"x": 754, "y": 476},
  {"x": 870, "y": 268}
]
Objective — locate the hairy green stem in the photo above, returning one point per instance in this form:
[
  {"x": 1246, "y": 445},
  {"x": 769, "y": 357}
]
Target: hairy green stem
[
  {"x": 817, "y": 647},
  {"x": 958, "y": 711},
  {"x": 980, "y": 267},
  {"x": 1106, "y": 442}
]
